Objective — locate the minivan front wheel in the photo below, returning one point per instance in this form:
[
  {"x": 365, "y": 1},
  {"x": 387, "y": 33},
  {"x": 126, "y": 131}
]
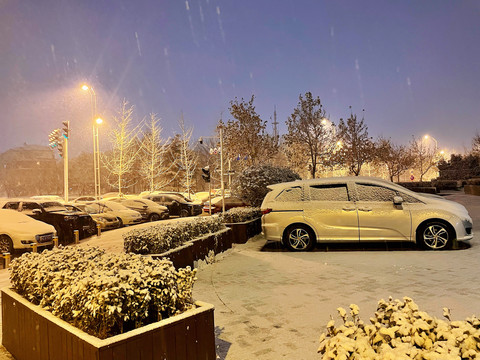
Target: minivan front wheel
[
  {"x": 299, "y": 238},
  {"x": 435, "y": 235}
]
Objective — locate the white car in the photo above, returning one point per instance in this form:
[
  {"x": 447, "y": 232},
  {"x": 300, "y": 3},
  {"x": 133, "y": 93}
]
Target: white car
[
  {"x": 124, "y": 214},
  {"x": 354, "y": 209},
  {"x": 20, "y": 231}
]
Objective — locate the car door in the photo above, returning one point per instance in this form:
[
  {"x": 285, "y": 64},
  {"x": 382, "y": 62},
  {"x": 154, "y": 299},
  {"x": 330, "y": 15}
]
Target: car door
[
  {"x": 378, "y": 218},
  {"x": 331, "y": 211}
]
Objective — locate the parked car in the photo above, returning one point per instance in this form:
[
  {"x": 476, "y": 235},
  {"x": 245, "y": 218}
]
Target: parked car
[
  {"x": 105, "y": 220},
  {"x": 177, "y": 205},
  {"x": 56, "y": 214},
  {"x": 125, "y": 215},
  {"x": 230, "y": 202},
  {"x": 354, "y": 209},
  {"x": 150, "y": 210},
  {"x": 19, "y": 231}
]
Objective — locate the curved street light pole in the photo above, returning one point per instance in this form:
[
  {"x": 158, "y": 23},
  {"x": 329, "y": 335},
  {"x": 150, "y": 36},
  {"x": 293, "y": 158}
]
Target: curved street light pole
[{"x": 96, "y": 152}]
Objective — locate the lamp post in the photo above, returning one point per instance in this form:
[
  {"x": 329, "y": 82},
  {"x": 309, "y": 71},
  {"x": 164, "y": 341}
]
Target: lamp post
[
  {"x": 222, "y": 185},
  {"x": 96, "y": 150},
  {"x": 426, "y": 137}
]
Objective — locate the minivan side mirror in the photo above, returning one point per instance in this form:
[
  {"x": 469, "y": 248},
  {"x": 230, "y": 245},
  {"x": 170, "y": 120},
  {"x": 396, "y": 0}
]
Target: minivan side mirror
[{"x": 397, "y": 200}]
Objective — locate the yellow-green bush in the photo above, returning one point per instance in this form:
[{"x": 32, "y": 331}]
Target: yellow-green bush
[{"x": 399, "y": 330}]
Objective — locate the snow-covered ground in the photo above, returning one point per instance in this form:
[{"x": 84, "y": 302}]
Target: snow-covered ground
[{"x": 274, "y": 304}]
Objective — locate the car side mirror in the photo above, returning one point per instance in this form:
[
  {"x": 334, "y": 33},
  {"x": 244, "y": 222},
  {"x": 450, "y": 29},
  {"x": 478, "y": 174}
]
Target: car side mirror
[
  {"x": 397, "y": 200},
  {"x": 36, "y": 211}
]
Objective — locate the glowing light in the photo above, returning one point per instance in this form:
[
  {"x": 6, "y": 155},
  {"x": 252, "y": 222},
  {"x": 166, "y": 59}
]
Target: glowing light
[
  {"x": 99, "y": 121},
  {"x": 85, "y": 87}
]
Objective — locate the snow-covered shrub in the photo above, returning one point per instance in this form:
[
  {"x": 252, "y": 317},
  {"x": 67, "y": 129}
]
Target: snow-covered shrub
[
  {"x": 251, "y": 184},
  {"x": 240, "y": 214},
  {"x": 400, "y": 330},
  {"x": 163, "y": 237},
  {"x": 103, "y": 294}
]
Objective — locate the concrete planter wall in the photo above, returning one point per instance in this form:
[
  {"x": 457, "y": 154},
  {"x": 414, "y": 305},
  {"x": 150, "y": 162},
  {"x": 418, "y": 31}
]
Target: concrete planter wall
[
  {"x": 241, "y": 232},
  {"x": 30, "y": 332},
  {"x": 198, "y": 249},
  {"x": 472, "y": 189}
]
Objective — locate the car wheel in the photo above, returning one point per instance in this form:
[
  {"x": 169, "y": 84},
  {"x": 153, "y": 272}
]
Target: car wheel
[
  {"x": 184, "y": 213},
  {"x": 299, "y": 238},
  {"x": 435, "y": 235},
  {"x": 6, "y": 244},
  {"x": 120, "y": 222},
  {"x": 154, "y": 217}
]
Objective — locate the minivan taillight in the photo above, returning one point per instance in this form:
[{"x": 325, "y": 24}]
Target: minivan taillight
[{"x": 266, "y": 211}]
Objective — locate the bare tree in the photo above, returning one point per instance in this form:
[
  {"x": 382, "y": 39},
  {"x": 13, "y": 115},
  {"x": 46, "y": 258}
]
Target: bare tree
[
  {"x": 397, "y": 158},
  {"x": 125, "y": 147},
  {"x": 310, "y": 132},
  {"x": 188, "y": 158},
  {"x": 425, "y": 157},
  {"x": 476, "y": 144},
  {"x": 246, "y": 136},
  {"x": 357, "y": 147},
  {"x": 153, "y": 164}
]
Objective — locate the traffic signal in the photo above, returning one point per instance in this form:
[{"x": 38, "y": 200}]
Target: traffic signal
[
  {"x": 66, "y": 129},
  {"x": 54, "y": 138},
  {"x": 206, "y": 174},
  {"x": 60, "y": 148}
]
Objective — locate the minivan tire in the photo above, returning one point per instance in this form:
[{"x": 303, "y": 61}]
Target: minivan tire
[
  {"x": 435, "y": 235},
  {"x": 299, "y": 238}
]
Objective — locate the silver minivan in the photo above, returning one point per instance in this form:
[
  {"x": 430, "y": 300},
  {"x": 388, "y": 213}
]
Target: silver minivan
[{"x": 354, "y": 209}]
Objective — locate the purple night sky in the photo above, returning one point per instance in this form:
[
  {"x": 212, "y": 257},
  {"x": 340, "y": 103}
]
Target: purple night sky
[{"x": 412, "y": 65}]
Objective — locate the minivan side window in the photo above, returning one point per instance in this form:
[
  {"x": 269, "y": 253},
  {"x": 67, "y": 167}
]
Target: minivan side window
[
  {"x": 329, "y": 192},
  {"x": 291, "y": 194},
  {"x": 370, "y": 192}
]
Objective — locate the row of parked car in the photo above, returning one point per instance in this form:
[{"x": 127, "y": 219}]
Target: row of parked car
[{"x": 38, "y": 219}]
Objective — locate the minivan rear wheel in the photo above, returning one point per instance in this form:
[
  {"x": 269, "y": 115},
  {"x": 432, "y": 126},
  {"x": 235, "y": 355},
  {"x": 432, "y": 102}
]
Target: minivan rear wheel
[
  {"x": 435, "y": 235},
  {"x": 299, "y": 238}
]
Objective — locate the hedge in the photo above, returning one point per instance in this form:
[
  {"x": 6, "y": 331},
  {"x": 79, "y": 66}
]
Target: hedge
[
  {"x": 164, "y": 237},
  {"x": 101, "y": 293}
]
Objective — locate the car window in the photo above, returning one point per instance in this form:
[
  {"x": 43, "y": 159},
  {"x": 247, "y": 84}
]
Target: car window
[
  {"x": 329, "y": 192},
  {"x": 408, "y": 198},
  {"x": 28, "y": 207},
  {"x": 11, "y": 205},
  {"x": 53, "y": 206},
  {"x": 291, "y": 194},
  {"x": 371, "y": 192}
]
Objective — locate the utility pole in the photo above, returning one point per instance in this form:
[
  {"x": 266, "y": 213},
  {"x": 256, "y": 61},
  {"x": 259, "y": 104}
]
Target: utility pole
[
  {"x": 275, "y": 123},
  {"x": 222, "y": 185},
  {"x": 66, "y": 134}
]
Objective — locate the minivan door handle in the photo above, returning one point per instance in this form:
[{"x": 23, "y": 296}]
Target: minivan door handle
[
  {"x": 349, "y": 208},
  {"x": 366, "y": 209}
]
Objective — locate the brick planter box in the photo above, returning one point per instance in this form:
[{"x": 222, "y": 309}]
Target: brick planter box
[
  {"x": 472, "y": 189},
  {"x": 241, "y": 232},
  {"x": 30, "y": 332},
  {"x": 198, "y": 249}
]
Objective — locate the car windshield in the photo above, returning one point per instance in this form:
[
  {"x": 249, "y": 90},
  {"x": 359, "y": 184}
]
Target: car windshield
[
  {"x": 53, "y": 206},
  {"x": 115, "y": 206}
]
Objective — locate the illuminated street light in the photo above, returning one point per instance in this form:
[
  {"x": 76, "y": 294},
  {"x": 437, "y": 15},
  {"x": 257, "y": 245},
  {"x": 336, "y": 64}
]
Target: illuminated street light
[
  {"x": 427, "y": 137},
  {"x": 96, "y": 149}
]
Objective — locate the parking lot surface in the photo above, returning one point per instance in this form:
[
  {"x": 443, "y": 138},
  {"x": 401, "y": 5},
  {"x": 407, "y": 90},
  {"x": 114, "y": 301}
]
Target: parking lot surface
[{"x": 274, "y": 304}]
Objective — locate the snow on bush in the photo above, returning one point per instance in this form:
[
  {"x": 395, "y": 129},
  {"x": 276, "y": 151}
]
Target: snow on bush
[
  {"x": 103, "y": 294},
  {"x": 400, "y": 330},
  {"x": 251, "y": 184},
  {"x": 240, "y": 214},
  {"x": 163, "y": 237}
]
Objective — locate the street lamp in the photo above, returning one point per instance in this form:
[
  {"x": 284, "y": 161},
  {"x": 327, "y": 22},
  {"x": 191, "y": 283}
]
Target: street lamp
[
  {"x": 426, "y": 137},
  {"x": 96, "y": 150}
]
